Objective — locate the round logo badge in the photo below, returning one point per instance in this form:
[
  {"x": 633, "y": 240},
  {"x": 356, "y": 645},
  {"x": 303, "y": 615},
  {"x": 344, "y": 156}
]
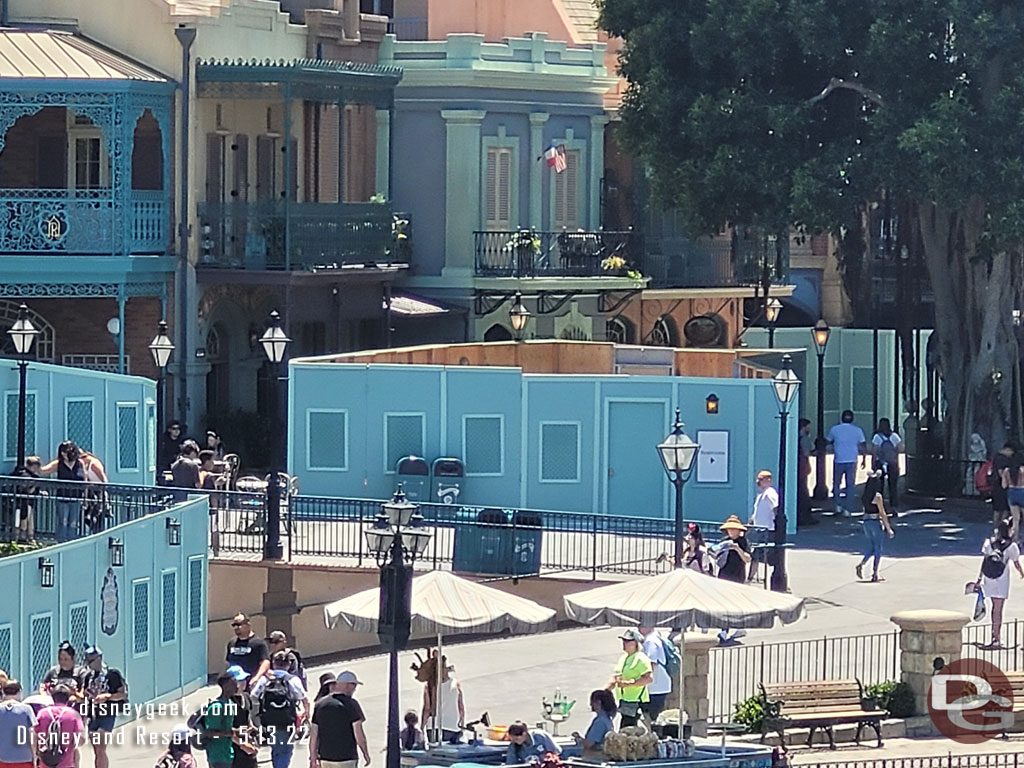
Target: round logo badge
[{"x": 970, "y": 701}]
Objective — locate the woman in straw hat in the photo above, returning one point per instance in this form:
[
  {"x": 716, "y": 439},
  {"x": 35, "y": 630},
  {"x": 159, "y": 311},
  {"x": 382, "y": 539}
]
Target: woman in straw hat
[{"x": 733, "y": 555}]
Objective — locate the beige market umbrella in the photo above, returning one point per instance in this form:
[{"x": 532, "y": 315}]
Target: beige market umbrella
[
  {"x": 446, "y": 604},
  {"x": 679, "y": 599}
]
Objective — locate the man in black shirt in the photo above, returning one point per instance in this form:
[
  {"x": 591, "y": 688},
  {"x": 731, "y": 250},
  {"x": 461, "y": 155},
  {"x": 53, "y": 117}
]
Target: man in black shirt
[
  {"x": 733, "y": 555},
  {"x": 1003, "y": 459},
  {"x": 107, "y": 695},
  {"x": 248, "y": 651},
  {"x": 337, "y": 729}
]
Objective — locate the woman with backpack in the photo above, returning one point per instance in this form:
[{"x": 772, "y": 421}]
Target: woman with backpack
[
  {"x": 885, "y": 453},
  {"x": 876, "y": 523},
  {"x": 994, "y": 577},
  {"x": 1012, "y": 479}
]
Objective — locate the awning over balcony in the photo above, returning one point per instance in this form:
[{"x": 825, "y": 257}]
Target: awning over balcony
[
  {"x": 312, "y": 79},
  {"x": 408, "y": 306},
  {"x": 55, "y": 55}
]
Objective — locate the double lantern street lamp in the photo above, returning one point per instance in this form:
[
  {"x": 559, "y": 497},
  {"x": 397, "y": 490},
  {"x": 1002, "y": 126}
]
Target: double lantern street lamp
[
  {"x": 22, "y": 334},
  {"x": 820, "y": 333},
  {"x": 161, "y": 348},
  {"x": 275, "y": 345},
  {"x": 677, "y": 452},
  {"x": 785, "y": 385},
  {"x": 397, "y": 538}
]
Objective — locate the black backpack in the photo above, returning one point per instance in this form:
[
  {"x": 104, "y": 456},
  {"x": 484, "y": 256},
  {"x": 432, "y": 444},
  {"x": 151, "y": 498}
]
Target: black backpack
[
  {"x": 278, "y": 707},
  {"x": 196, "y": 724},
  {"x": 994, "y": 563},
  {"x": 53, "y": 748}
]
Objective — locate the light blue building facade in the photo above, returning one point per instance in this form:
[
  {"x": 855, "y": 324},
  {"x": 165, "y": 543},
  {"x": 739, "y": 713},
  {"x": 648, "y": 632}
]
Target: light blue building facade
[
  {"x": 148, "y": 615},
  {"x": 557, "y": 442},
  {"x": 109, "y": 415}
]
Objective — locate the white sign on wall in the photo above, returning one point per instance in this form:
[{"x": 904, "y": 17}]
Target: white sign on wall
[{"x": 713, "y": 458}]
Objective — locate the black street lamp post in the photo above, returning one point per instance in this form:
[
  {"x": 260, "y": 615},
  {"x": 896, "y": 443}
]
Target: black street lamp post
[
  {"x": 820, "y": 333},
  {"x": 677, "y": 452},
  {"x": 275, "y": 345},
  {"x": 22, "y": 334},
  {"x": 161, "y": 347},
  {"x": 771, "y": 314},
  {"x": 785, "y": 385},
  {"x": 397, "y": 537}
]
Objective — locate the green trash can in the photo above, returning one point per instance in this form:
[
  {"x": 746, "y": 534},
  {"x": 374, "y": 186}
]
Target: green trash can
[{"x": 483, "y": 542}]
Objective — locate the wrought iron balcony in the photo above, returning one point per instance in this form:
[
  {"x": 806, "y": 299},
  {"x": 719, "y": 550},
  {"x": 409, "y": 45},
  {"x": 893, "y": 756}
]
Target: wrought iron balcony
[
  {"x": 524, "y": 253},
  {"x": 82, "y": 222},
  {"x": 297, "y": 236}
]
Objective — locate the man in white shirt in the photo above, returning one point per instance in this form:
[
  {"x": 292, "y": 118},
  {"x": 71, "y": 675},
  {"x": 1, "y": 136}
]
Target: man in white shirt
[
  {"x": 848, "y": 442},
  {"x": 661, "y": 686},
  {"x": 766, "y": 505}
]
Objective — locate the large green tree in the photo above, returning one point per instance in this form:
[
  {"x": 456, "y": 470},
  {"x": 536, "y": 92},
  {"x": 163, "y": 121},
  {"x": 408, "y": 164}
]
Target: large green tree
[{"x": 813, "y": 112}]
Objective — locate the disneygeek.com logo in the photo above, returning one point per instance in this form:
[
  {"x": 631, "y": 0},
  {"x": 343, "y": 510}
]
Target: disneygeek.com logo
[{"x": 971, "y": 701}]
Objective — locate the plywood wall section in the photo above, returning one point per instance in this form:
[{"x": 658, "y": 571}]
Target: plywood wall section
[{"x": 708, "y": 363}]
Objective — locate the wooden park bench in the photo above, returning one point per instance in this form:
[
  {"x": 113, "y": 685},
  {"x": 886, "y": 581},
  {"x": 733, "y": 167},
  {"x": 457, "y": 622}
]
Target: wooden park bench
[{"x": 818, "y": 704}]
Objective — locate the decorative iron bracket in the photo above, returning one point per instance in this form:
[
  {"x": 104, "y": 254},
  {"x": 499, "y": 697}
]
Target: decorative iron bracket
[
  {"x": 606, "y": 303},
  {"x": 549, "y": 303}
]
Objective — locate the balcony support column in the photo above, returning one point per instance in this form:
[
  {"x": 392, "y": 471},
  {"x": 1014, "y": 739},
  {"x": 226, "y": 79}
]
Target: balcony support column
[
  {"x": 597, "y": 124},
  {"x": 537, "y": 168},
  {"x": 289, "y": 182},
  {"x": 462, "y": 190},
  {"x": 121, "y": 299},
  {"x": 382, "y": 164}
]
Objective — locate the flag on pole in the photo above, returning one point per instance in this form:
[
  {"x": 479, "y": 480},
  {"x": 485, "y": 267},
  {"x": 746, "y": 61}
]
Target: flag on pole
[{"x": 556, "y": 157}]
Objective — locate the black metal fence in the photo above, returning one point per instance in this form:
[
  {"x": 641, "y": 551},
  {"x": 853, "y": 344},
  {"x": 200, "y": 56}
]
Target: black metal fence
[
  {"x": 1009, "y": 657},
  {"x": 735, "y": 672},
  {"x": 936, "y": 476},
  {"x": 524, "y": 253},
  {"x": 949, "y": 760}
]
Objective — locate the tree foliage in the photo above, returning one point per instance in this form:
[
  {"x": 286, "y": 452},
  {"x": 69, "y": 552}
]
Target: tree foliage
[{"x": 809, "y": 112}]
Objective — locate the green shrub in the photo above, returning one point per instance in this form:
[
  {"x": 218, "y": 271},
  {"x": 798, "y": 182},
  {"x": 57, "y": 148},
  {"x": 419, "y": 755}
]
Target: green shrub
[
  {"x": 9, "y": 548},
  {"x": 893, "y": 696},
  {"x": 750, "y": 713}
]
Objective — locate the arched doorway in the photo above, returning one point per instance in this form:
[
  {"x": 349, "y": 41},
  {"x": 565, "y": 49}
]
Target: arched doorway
[
  {"x": 498, "y": 332},
  {"x": 218, "y": 380}
]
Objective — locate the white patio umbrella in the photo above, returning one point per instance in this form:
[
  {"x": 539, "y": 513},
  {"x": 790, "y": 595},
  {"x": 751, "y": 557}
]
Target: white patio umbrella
[
  {"x": 681, "y": 598},
  {"x": 446, "y": 604}
]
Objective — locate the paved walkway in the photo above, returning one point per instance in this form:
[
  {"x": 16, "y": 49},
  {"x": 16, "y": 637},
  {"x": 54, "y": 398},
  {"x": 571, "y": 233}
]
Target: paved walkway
[{"x": 927, "y": 564}]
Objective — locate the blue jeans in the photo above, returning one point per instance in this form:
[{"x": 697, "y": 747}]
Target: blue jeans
[
  {"x": 875, "y": 535},
  {"x": 68, "y": 514},
  {"x": 839, "y": 471},
  {"x": 281, "y": 748}
]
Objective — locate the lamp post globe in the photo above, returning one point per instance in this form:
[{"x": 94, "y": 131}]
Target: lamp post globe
[
  {"x": 275, "y": 345},
  {"x": 771, "y": 315},
  {"x": 161, "y": 348},
  {"x": 677, "y": 452},
  {"x": 785, "y": 385},
  {"x": 23, "y": 333},
  {"x": 820, "y": 334},
  {"x": 518, "y": 316}
]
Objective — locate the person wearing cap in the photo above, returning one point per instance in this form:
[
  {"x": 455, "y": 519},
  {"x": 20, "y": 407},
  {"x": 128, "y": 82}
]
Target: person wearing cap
[
  {"x": 16, "y": 720},
  {"x": 277, "y": 641},
  {"x": 273, "y": 711},
  {"x": 170, "y": 443},
  {"x": 633, "y": 673},
  {"x": 766, "y": 507},
  {"x": 106, "y": 694},
  {"x": 248, "y": 651},
  {"x": 337, "y": 730},
  {"x": 179, "y": 752}
]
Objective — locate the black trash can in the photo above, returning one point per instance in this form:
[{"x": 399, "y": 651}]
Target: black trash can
[
  {"x": 527, "y": 534},
  {"x": 483, "y": 542}
]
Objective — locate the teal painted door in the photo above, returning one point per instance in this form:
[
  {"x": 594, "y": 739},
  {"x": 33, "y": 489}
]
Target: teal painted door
[{"x": 636, "y": 480}]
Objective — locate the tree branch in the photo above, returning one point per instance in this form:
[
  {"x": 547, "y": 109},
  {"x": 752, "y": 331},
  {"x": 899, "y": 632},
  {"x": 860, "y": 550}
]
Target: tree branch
[{"x": 837, "y": 82}]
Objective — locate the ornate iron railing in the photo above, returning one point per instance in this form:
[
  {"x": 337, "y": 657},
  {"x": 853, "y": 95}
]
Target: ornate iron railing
[
  {"x": 80, "y": 222},
  {"x": 558, "y": 254},
  {"x": 297, "y": 236}
]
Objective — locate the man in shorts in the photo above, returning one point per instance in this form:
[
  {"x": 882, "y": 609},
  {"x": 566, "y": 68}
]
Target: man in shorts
[{"x": 106, "y": 696}]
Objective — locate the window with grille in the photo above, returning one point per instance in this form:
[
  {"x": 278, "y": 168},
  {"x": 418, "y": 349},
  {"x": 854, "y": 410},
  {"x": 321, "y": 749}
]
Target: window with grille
[
  {"x": 11, "y": 425},
  {"x": 41, "y": 643},
  {"x": 195, "y": 594},
  {"x": 403, "y": 436},
  {"x": 559, "y": 452},
  {"x": 168, "y": 606},
  {"x": 6, "y": 649},
  {"x": 567, "y": 193},
  {"x": 140, "y": 617},
  {"x": 127, "y": 437},
  {"x": 78, "y": 421},
  {"x": 483, "y": 444},
  {"x": 498, "y": 188},
  {"x": 78, "y": 625},
  {"x": 327, "y": 440}
]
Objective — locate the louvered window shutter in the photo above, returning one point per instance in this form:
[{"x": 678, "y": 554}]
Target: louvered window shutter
[
  {"x": 567, "y": 193},
  {"x": 498, "y": 193}
]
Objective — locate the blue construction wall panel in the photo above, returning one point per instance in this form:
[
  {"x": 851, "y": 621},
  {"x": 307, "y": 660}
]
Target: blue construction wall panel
[
  {"x": 118, "y": 430},
  {"x": 94, "y": 603},
  {"x": 573, "y": 443}
]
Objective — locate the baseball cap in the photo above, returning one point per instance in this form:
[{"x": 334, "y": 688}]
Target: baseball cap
[
  {"x": 348, "y": 677},
  {"x": 236, "y": 672},
  {"x": 632, "y": 634},
  {"x": 179, "y": 734},
  {"x": 93, "y": 651}
]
